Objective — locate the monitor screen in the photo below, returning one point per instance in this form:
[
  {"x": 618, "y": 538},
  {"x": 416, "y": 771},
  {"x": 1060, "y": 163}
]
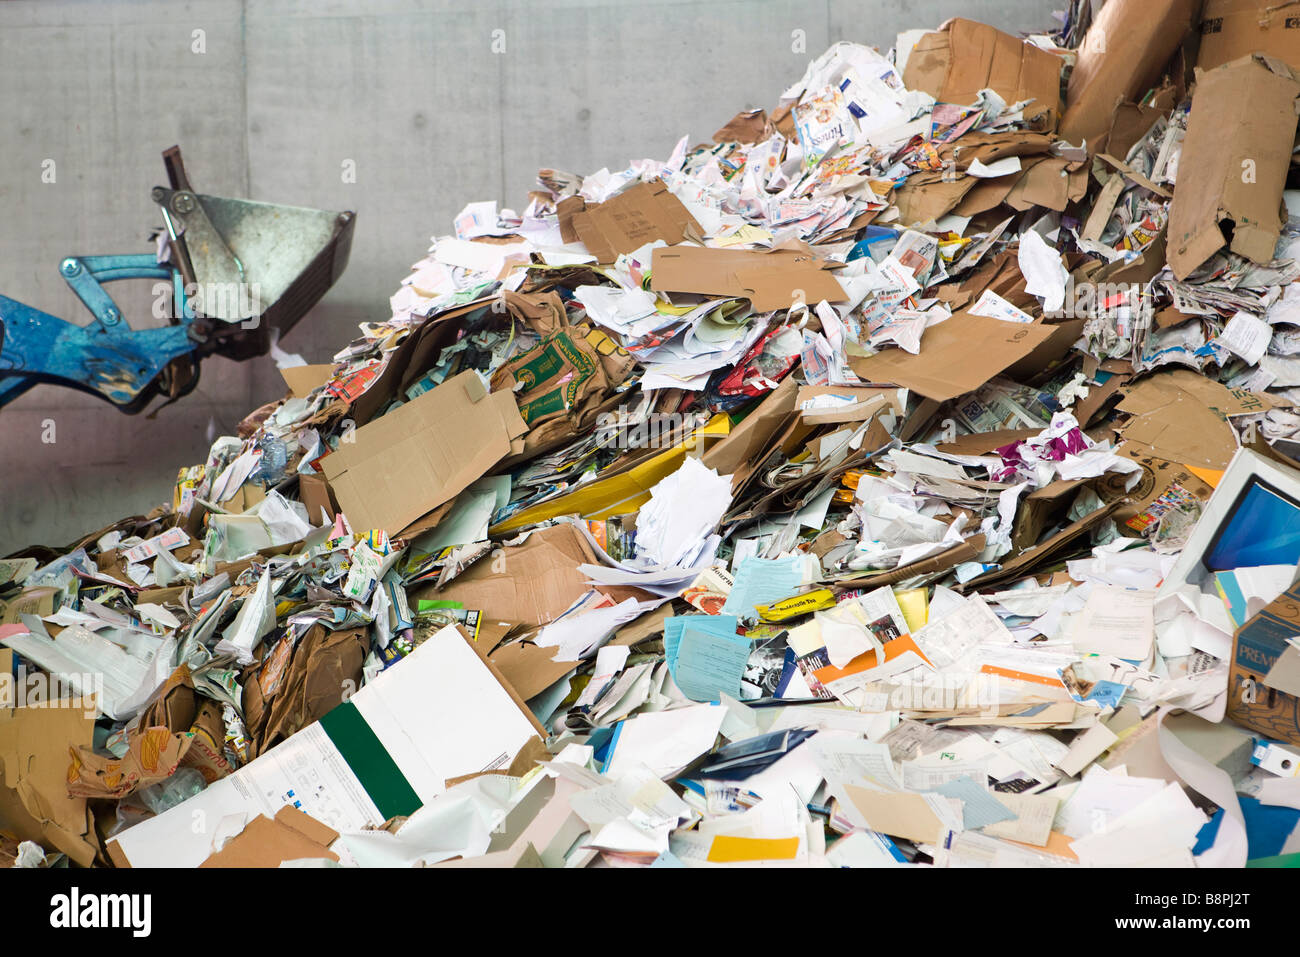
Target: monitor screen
[{"x": 1262, "y": 528}]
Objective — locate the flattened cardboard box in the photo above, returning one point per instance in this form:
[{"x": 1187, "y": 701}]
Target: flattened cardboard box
[
  {"x": 963, "y": 57},
  {"x": 1234, "y": 164},
  {"x": 1181, "y": 416},
  {"x": 34, "y": 758},
  {"x": 947, "y": 367},
  {"x": 636, "y": 216},
  {"x": 1236, "y": 28},
  {"x": 1121, "y": 57},
  {"x": 1253, "y": 698},
  {"x": 533, "y": 583},
  {"x": 744, "y": 447},
  {"x": 770, "y": 280},
  {"x": 301, "y": 380},
  {"x": 422, "y": 454}
]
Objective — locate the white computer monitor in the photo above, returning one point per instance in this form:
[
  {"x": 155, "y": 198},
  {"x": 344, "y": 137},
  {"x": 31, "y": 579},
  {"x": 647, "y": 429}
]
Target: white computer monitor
[{"x": 1252, "y": 519}]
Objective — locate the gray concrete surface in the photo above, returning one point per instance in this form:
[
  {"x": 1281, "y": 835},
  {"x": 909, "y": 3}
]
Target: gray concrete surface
[{"x": 273, "y": 97}]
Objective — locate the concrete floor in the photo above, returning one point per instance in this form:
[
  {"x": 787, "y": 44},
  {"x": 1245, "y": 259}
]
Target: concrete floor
[{"x": 433, "y": 104}]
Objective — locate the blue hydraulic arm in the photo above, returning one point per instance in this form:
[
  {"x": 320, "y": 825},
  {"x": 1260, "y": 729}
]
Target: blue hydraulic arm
[{"x": 105, "y": 357}]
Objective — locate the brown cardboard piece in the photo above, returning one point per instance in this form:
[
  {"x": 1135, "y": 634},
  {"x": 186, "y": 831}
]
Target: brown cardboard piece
[
  {"x": 1121, "y": 57},
  {"x": 29, "y": 601},
  {"x": 1181, "y": 416},
  {"x": 1134, "y": 174},
  {"x": 638, "y": 215},
  {"x": 1054, "y": 348},
  {"x": 744, "y": 447},
  {"x": 34, "y": 800},
  {"x": 266, "y": 842},
  {"x": 1235, "y": 28},
  {"x": 643, "y": 626},
  {"x": 423, "y": 454},
  {"x": 162, "y": 596},
  {"x": 927, "y": 197},
  {"x": 315, "y": 493},
  {"x": 529, "y": 668},
  {"x": 986, "y": 194},
  {"x": 532, "y": 583},
  {"x": 957, "y": 356},
  {"x": 173, "y": 706},
  {"x": 983, "y": 443},
  {"x": 963, "y": 57},
  {"x": 1053, "y": 183},
  {"x": 749, "y": 127},
  {"x": 301, "y": 380},
  {"x": 1234, "y": 164},
  {"x": 1087, "y": 408},
  {"x": 1131, "y": 122},
  {"x": 991, "y": 147},
  {"x": 414, "y": 356},
  {"x": 770, "y": 280},
  {"x": 565, "y": 210},
  {"x": 1039, "y": 509}
]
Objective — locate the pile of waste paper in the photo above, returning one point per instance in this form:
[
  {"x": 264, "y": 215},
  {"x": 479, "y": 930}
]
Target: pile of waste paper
[{"x": 906, "y": 476}]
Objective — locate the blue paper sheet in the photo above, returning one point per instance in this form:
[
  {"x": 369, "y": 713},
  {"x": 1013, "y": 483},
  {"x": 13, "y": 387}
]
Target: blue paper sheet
[
  {"x": 761, "y": 581},
  {"x": 709, "y": 660},
  {"x": 979, "y": 807},
  {"x": 714, "y": 624}
]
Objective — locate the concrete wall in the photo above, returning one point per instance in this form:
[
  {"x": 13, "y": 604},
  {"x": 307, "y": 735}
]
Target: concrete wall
[{"x": 273, "y": 97}]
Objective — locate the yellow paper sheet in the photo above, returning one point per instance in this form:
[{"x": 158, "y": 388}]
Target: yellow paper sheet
[
  {"x": 915, "y": 607},
  {"x": 728, "y": 849},
  {"x": 618, "y": 494}
]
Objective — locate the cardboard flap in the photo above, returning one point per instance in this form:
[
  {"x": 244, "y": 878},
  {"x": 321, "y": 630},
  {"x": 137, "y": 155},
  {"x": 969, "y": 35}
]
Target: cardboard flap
[
  {"x": 1181, "y": 416},
  {"x": 947, "y": 366},
  {"x": 423, "y": 454},
  {"x": 1236, "y": 28},
  {"x": 1234, "y": 163},
  {"x": 266, "y": 842},
  {"x": 533, "y": 583},
  {"x": 626, "y": 222},
  {"x": 34, "y": 757},
  {"x": 770, "y": 280},
  {"x": 302, "y": 380},
  {"x": 954, "y": 63},
  {"x": 1121, "y": 57}
]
